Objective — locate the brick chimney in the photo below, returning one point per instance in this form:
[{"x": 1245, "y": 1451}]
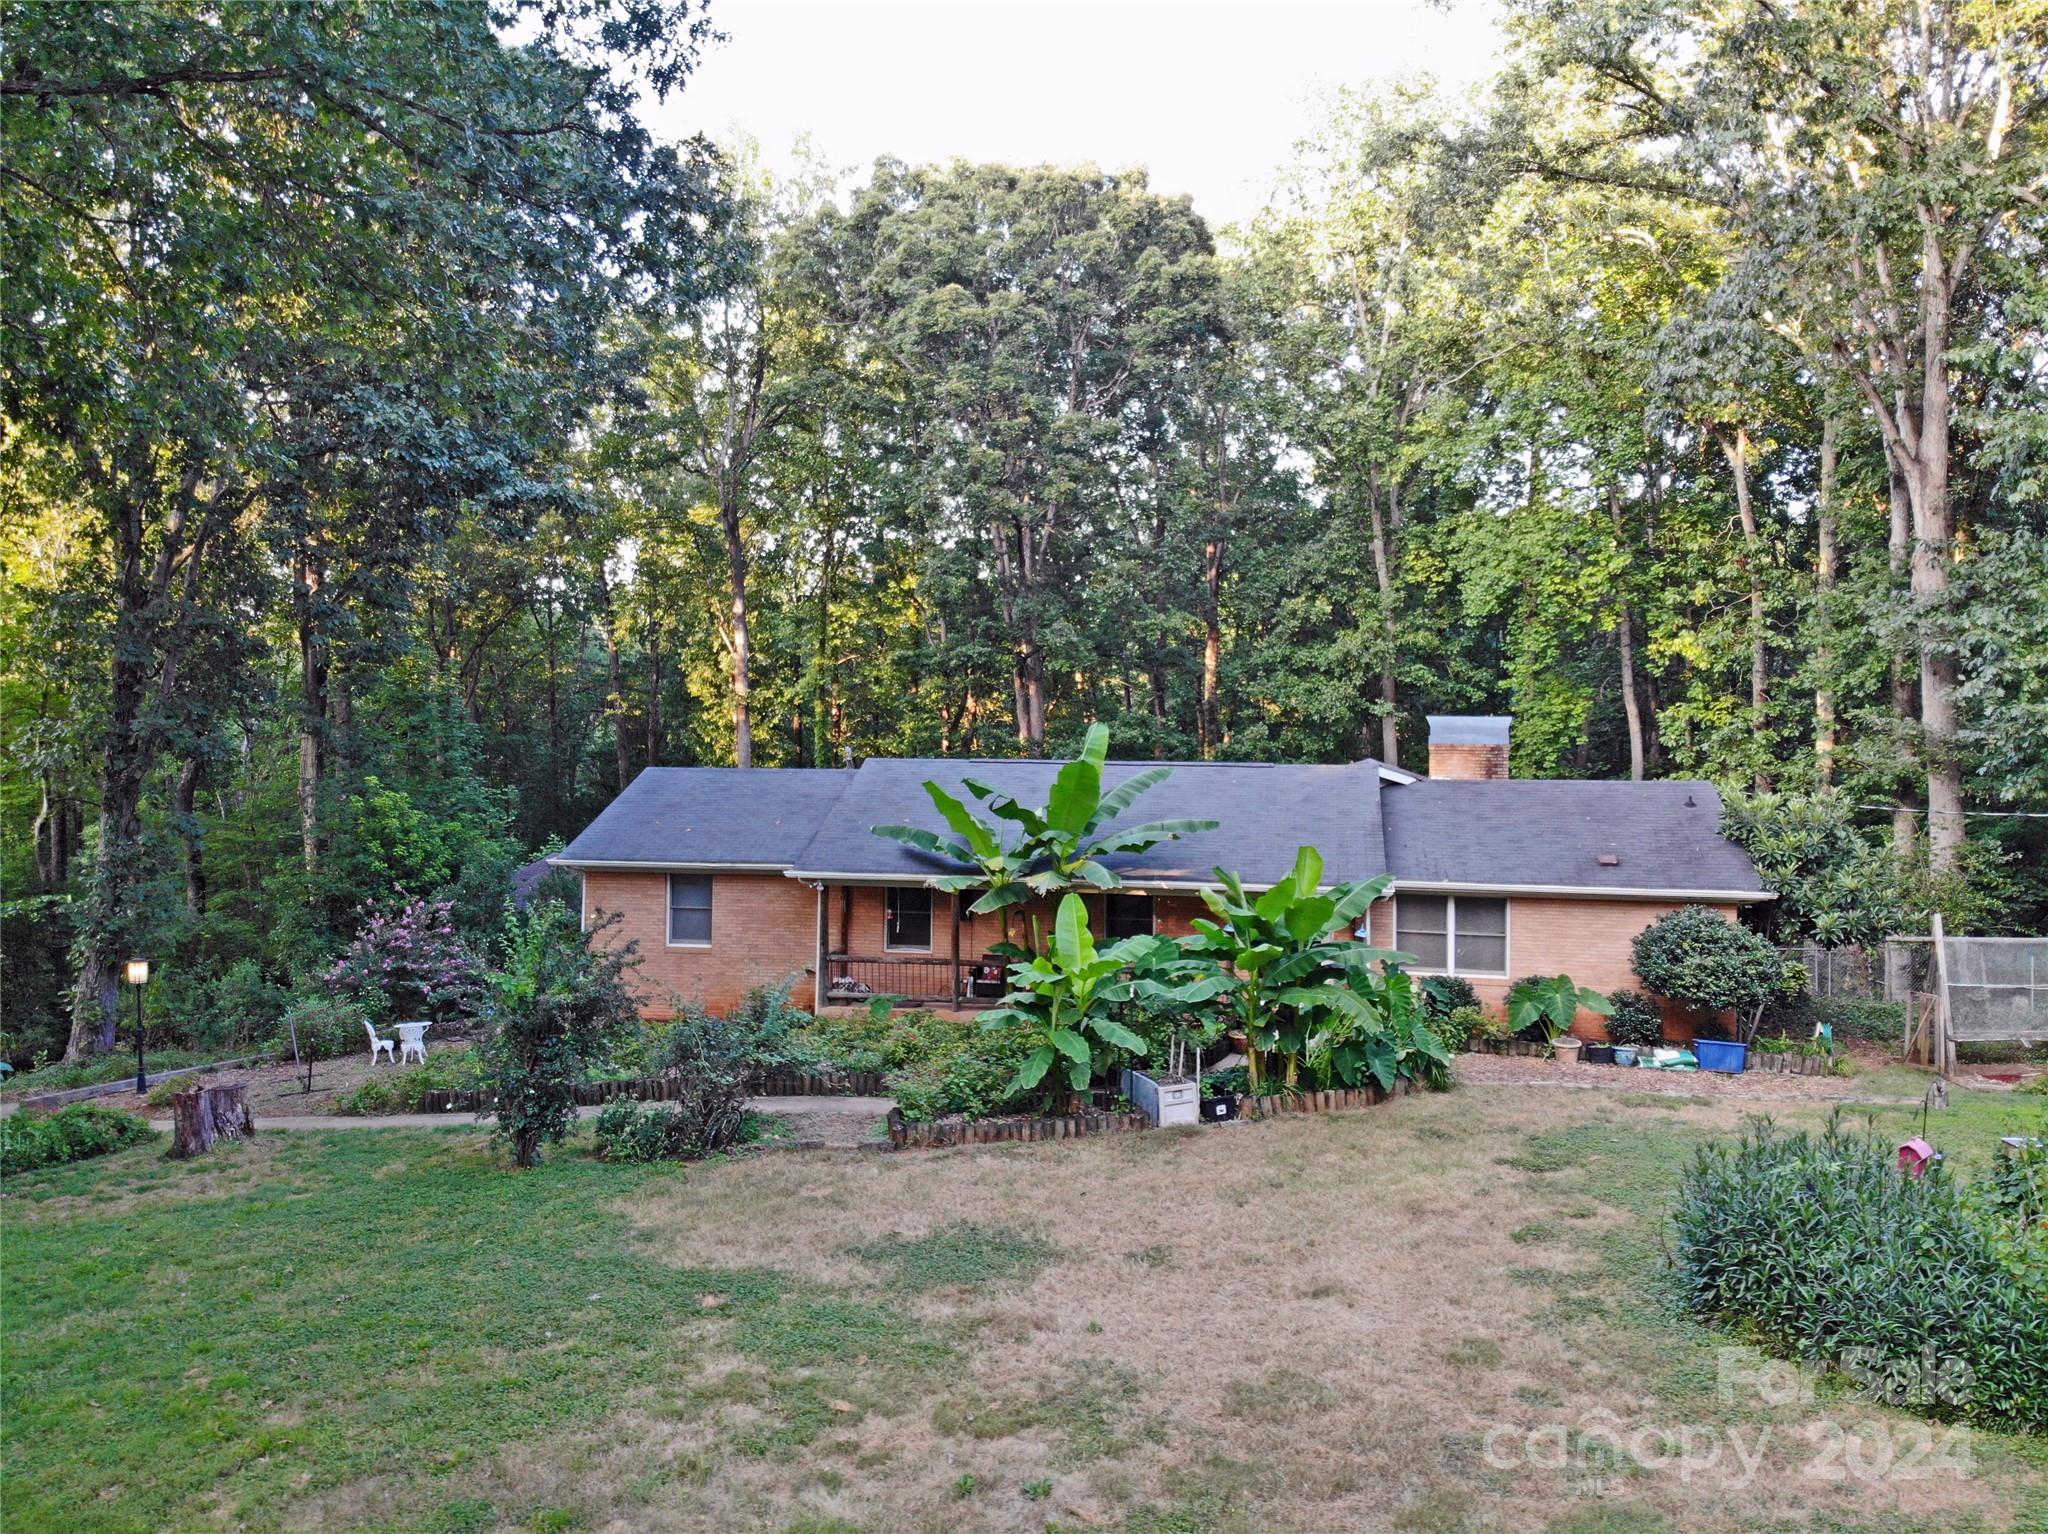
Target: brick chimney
[{"x": 1468, "y": 745}]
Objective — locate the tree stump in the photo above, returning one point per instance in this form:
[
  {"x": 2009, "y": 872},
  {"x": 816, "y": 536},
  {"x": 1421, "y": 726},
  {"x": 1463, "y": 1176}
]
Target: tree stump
[{"x": 206, "y": 1114}]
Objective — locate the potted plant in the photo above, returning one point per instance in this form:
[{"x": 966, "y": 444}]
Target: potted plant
[
  {"x": 1597, "y": 1054},
  {"x": 1542, "y": 1007}
]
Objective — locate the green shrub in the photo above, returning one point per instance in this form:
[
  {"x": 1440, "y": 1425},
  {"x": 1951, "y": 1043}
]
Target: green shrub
[
  {"x": 636, "y": 1133},
  {"x": 405, "y": 1089},
  {"x": 1441, "y": 996},
  {"x": 243, "y": 1007},
  {"x": 893, "y": 1041},
  {"x": 973, "y": 1081},
  {"x": 1458, "y": 1025},
  {"x": 328, "y": 1028},
  {"x": 1636, "y": 1020},
  {"x": 935, "y": 1065},
  {"x": 1818, "y": 1245},
  {"x": 76, "y": 1133},
  {"x": 715, "y": 1060},
  {"x": 561, "y": 998},
  {"x": 1700, "y": 959},
  {"x": 1850, "y": 1017}
]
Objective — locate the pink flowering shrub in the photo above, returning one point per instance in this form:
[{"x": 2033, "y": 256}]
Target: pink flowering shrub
[{"x": 410, "y": 964}]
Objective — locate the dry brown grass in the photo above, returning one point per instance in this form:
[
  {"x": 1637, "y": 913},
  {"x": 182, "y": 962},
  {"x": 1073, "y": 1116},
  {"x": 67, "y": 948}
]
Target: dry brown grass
[{"x": 1306, "y": 1324}]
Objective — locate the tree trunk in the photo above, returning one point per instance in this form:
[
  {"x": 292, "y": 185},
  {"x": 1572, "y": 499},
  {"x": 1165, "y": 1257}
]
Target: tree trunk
[
  {"x": 653, "y": 695},
  {"x": 205, "y": 1115},
  {"x": 183, "y": 809},
  {"x": 742, "y": 643},
  {"x": 1625, "y": 642},
  {"x": 1735, "y": 447},
  {"x": 1209, "y": 726},
  {"x": 1905, "y": 708},
  {"x": 1383, "y": 576},
  {"x": 312, "y": 709},
  {"x": 1826, "y": 562},
  {"x": 1933, "y": 546}
]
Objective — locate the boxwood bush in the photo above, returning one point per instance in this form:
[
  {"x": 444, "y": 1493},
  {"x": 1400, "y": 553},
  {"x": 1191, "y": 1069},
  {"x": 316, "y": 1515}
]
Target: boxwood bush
[
  {"x": 1636, "y": 1020},
  {"x": 76, "y": 1133},
  {"x": 1820, "y": 1247}
]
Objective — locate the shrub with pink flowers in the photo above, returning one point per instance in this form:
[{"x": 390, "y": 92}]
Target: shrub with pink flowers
[{"x": 411, "y": 963}]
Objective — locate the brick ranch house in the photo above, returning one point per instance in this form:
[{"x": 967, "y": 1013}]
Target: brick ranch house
[{"x": 729, "y": 879}]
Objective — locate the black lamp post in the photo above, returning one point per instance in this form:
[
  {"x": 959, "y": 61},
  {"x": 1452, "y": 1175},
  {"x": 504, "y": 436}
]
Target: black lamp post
[{"x": 138, "y": 976}]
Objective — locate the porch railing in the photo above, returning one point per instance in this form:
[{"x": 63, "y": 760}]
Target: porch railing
[{"x": 851, "y": 979}]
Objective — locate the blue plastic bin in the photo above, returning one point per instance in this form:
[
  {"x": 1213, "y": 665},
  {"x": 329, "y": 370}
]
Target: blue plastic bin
[{"x": 1721, "y": 1055}]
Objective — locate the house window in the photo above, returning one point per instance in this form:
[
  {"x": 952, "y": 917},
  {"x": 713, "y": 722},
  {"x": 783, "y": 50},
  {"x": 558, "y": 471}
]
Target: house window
[
  {"x": 909, "y": 920},
  {"x": 1126, "y": 916},
  {"x": 1453, "y": 934},
  {"x": 689, "y": 910}
]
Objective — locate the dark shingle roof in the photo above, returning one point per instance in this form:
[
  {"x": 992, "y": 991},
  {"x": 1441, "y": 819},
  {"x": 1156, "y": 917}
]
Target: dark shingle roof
[
  {"x": 1503, "y": 834},
  {"x": 1666, "y": 835},
  {"x": 1266, "y": 812},
  {"x": 715, "y": 815}
]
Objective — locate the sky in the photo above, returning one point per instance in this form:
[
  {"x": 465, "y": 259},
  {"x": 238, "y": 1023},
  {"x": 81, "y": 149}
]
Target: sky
[{"x": 1210, "y": 98}]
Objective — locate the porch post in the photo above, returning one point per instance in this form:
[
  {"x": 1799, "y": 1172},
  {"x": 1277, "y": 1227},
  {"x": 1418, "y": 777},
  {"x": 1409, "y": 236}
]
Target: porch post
[
  {"x": 953, "y": 899},
  {"x": 824, "y": 940}
]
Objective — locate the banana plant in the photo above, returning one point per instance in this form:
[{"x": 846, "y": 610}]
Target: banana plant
[
  {"x": 1052, "y": 849},
  {"x": 1272, "y": 945},
  {"x": 1064, "y": 1000},
  {"x": 1368, "y": 1025}
]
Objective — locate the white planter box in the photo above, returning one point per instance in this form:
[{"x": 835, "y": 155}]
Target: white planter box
[{"x": 1164, "y": 1102}]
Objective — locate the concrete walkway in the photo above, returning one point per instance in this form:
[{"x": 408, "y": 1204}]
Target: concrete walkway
[{"x": 798, "y": 1108}]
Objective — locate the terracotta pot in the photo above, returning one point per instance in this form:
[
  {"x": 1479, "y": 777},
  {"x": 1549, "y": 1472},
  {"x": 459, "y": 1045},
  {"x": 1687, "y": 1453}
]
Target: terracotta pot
[{"x": 1566, "y": 1049}]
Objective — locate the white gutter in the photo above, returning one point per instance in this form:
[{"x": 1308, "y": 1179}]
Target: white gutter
[
  {"x": 1142, "y": 886},
  {"x": 602, "y": 865}
]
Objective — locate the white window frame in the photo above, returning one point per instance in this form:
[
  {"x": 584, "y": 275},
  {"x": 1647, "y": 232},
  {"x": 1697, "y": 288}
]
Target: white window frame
[
  {"x": 1507, "y": 927},
  {"x": 668, "y": 909},
  {"x": 931, "y": 918}
]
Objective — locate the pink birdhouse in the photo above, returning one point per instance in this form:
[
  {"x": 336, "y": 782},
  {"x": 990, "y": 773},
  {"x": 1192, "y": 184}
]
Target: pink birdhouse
[{"x": 1915, "y": 1156}]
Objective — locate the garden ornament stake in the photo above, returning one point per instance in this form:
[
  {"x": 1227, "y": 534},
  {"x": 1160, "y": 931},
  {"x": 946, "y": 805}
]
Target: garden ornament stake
[{"x": 138, "y": 976}]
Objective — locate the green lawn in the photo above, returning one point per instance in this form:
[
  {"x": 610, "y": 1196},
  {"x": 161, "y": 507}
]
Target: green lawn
[{"x": 386, "y": 1330}]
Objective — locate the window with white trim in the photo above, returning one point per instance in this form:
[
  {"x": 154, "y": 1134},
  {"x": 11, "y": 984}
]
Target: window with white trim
[
  {"x": 689, "y": 910},
  {"x": 1453, "y": 934},
  {"x": 908, "y": 923},
  {"x": 1126, "y": 915}
]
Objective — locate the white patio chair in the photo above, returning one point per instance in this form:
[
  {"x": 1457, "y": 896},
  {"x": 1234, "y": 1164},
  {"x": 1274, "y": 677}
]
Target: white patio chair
[{"x": 376, "y": 1044}]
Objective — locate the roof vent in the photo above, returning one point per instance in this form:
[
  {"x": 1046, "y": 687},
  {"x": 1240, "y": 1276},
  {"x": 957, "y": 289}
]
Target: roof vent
[
  {"x": 1609, "y": 860},
  {"x": 1691, "y": 803},
  {"x": 1468, "y": 745}
]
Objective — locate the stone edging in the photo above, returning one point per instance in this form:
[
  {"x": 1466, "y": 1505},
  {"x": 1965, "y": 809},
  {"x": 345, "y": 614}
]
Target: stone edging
[{"x": 908, "y": 1136}]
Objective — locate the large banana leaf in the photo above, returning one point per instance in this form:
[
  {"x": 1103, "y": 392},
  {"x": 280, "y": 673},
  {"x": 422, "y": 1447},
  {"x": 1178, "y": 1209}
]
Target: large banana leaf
[
  {"x": 1077, "y": 787},
  {"x": 1150, "y": 834},
  {"x": 980, "y": 840},
  {"x": 925, "y": 841},
  {"x": 1126, "y": 793}
]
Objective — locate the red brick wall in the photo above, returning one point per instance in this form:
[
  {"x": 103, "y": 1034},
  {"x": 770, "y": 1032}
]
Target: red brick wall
[
  {"x": 1468, "y": 761},
  {"x": 1588, "y": 939},
  {"x": 764, "y": 929}
]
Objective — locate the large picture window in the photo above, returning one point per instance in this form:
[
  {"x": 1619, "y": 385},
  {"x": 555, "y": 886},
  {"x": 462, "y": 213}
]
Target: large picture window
[
  {"x": 689, "y": 910},
  {"x": 1126, "y": 915},
  {"x": 909, "y": 920},
  {"x": 1454, "y": 934}
]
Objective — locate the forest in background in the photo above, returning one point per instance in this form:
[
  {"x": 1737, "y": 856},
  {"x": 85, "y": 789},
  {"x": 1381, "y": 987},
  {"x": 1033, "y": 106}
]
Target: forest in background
[{"x": 403, "y": 449}]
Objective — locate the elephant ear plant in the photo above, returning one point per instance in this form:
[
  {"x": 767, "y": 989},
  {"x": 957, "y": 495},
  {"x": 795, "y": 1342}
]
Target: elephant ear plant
[
  {"x": 1544, "y": 1005},
  {"x": 1064, "y": 1002},
  {"x": 1054, "y": 848}
]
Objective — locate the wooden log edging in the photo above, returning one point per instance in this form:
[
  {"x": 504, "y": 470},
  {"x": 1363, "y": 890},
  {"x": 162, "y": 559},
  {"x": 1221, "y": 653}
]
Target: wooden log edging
[
  {"x": 1789, "y": 1065},
  {"x": 820, "y": 1083},
  {"x": 1282, "y": 1104},
  {"x": 943, "y": 1132}
]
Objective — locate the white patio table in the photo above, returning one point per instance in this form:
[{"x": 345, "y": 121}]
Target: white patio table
[{"x": 412, "y": 1040}]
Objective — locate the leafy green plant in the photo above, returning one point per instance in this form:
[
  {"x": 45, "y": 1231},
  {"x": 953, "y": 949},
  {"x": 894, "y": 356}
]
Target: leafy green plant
[
  {"x": 1263, "y": 948},
  {"x": 1442, "y": 995},
  {"x": 636, "y": 1133},
  {"x": 1700, "y": 959},
  {"x": 326, "y": 1027},
  {"x": 29, "y": 1141},
  {"x": 1063, "y": 1002},
  {"x": 1367, "y": 1025},
  {"x": 715, "y": 1060},
  {"x": 1540, "y": 1007},
  {"x": 560, "y": 999},
  {"x": 1819, "y": 1246},
  {"x": 405, "y": 1089},
  {"x": 1055, "y": 847},
  {"x": 1457, "y": 1026},
  {"x": 1636, "y": 1021}
]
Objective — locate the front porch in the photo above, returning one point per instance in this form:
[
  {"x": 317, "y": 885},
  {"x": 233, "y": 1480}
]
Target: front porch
[{"x": 850, "y": 980}]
